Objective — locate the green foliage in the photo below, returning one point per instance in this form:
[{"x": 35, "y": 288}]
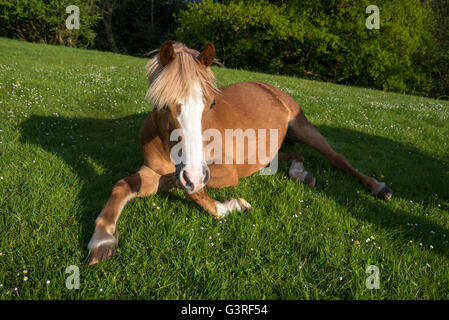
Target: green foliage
[
  {"x": 324, "y": 40},
  {"x": 44, "y": 21},
  {"x": 246, "y": 34},
  {"x": 140, "y": 25},
  {"x": 440, "y": 68}
]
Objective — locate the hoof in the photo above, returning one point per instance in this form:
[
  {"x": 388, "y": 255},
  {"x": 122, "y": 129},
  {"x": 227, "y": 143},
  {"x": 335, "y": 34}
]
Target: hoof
[
  {"x": 101, "y": 253},
  {"x": 298, "y": 173},
  {"x": 244, "y": 205},
  {"x": 308, "y": 179},
  {"x": 225, "y": 208},
  {"x": 101, "y": 249},
  {"x": 385, "y": 193}
]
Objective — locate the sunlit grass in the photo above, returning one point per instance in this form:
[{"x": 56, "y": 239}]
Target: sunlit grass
[{"x": 69, "y": 129}]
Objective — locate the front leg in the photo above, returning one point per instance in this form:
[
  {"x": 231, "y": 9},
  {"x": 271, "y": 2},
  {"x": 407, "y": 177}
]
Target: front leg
[
  {"x": 219, "y": 209},
  {"x": 104, "y": 240}
]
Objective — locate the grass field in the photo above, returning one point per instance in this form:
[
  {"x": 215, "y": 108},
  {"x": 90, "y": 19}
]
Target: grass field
[{"x": 69, "y": 129}]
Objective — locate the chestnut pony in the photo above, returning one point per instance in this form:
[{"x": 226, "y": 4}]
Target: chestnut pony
[{"x": 187, "y": 101}]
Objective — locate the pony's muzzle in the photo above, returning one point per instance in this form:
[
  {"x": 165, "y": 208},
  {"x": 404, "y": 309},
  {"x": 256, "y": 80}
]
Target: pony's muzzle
[{"x": 193, "y": 178}]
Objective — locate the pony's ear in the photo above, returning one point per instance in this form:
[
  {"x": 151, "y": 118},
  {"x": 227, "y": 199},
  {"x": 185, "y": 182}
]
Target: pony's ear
[
  {"x": 167, "y": 53},
  {"x": 208, "y": 55}
]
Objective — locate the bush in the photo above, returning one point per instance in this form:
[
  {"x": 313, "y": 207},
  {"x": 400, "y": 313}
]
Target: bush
[
  {"x": 440, "y": 66},
  {"x": 323, "y": 40},
  {"x": 139, "y": 26},
  {"x": 44, "y": 21},
  {"x": 250, "y": 35}
]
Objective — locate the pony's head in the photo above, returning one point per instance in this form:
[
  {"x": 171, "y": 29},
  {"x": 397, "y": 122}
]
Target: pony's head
[{"x": 181, "y": 86}]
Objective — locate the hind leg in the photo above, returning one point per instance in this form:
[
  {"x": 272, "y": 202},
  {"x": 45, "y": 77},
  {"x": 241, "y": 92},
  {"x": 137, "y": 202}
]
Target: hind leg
[
  {"x": 301, "y": 129},
  {"x": 296, "y": 170},
  {"x": 143, "y": 183}
]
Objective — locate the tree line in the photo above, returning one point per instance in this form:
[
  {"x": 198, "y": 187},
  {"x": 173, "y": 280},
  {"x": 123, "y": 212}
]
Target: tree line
[{"x": 325, "y": 40}]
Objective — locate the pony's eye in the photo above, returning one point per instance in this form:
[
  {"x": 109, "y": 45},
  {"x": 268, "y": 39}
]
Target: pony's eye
[{"x": 165, "y": 108}]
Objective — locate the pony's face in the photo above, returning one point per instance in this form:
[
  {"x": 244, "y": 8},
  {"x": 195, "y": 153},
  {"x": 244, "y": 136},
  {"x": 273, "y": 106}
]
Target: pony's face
[{"x": 181, "y": 123}]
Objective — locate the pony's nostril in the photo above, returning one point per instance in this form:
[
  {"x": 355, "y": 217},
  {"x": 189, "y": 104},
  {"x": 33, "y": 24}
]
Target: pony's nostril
[
  {"x": 189, "y": 184},
  {"x": 206, "y": 174},
  {"x": 186, "y": 177}
]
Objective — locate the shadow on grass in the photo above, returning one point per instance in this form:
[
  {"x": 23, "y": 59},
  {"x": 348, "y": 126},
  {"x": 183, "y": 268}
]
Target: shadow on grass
[
  {"x": 102, "y": 151},
  {"x": 99, "y": 151}
]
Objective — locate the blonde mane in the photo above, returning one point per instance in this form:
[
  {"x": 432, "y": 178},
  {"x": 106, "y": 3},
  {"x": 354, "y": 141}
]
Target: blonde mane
[{"x": 176, "y": 80}]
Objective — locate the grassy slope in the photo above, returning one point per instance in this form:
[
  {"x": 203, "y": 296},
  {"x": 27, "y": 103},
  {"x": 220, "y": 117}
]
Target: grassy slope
[{"x": 70, "y": 122}]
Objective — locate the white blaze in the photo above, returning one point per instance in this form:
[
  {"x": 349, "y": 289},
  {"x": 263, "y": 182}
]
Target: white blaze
[{"x": 192, "y": 108}]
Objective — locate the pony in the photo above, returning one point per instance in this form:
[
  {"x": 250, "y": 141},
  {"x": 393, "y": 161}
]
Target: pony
[{"x": 187, "y": 104}]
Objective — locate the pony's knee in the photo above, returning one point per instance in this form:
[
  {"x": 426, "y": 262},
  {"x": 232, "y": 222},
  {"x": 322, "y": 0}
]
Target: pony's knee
[{"x": 121, "y": 188}]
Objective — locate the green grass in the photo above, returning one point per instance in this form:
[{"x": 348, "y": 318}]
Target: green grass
[{"x": 70, "y": 122}]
